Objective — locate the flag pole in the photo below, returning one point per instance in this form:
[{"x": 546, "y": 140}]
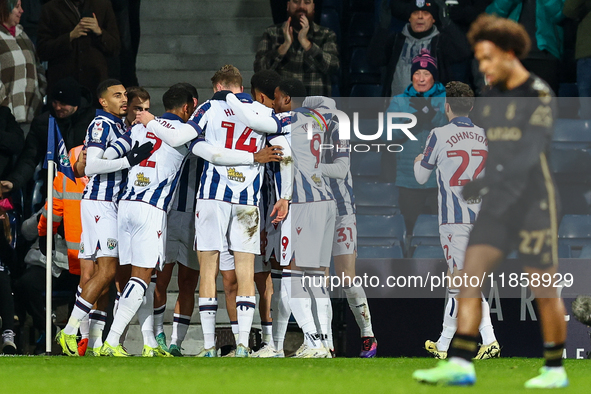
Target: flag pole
[{"x": 49, "y": 254}]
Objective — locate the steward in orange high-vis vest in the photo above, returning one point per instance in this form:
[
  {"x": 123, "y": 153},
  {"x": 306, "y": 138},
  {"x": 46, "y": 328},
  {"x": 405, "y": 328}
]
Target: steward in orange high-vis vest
[{"x": 66, "y": 207}]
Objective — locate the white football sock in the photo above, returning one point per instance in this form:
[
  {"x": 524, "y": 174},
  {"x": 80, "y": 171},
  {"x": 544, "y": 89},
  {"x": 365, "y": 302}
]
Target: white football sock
[
  {"x": 267, "y": 330},
  {"x": 116, "y": 304},
  {"x": 245, "y": 305},
  {"x": 329, "y": 340},
  {"x": 97, "y": 321},
  {"x": 283, "y": 313},
  {"x": 275, "y": 299},
  {"x": 159, "y": 319},
  {"x": 131, "y": 299},
  {"x": 460, "y": 361},
  {"x": 84, "y": 327},
  {"x": 486, "y": 329},
  {"x": 320, "y": 303},
  {"x": 180, "y": 325},
  {"x": 81, "y": 310},
  {"x": 84, "y": 324},
  {"x": 145, "y": 316},
  {"x": 301, "y": 307},
  {"x": 450, "y": 321},
  {"x": 235, "y": 330},
  {"x": 357, "y": 301},
  {"x": 208, "y": 308}
]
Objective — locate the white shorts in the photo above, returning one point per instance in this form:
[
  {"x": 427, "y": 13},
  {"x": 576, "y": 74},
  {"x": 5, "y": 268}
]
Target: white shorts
[
  {"x": 309, "y": 238},
  {"x": 345, "y": 238},
  {"x": 142, "y": 235},
  {"x": 226, "y": 260},
  {"x": 216, "y": 220},
  {"x": 227, "y": 263},
  {"x": 180, "y": 237},
  {"x": 454, "y": 240},
  {"x": 99, "y": 236}
]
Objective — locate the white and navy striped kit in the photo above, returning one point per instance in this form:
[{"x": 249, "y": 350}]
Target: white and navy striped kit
[
  {"x": 309, "y": 185},
  {"x": 217, "y": 124},
  {"x": 342, "y": 189},
  {"x": 104, "y": 130},
  {"x": 154, "y": 180},
  {"x": 459, "y": 151},
  {"x": 188, "y": 184}
]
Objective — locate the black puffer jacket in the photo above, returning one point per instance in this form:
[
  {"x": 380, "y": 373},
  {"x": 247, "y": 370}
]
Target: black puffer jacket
[
  {"x": 12, "y": 140},
  {"x": 72, "y": 128}
]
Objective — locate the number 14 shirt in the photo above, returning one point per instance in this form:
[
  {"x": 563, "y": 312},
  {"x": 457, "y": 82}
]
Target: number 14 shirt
[{"x": 217, "y": 124}]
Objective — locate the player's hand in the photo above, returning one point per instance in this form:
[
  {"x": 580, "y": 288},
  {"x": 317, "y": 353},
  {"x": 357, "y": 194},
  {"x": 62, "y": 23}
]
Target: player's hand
[
  {"x": 144, "y": 117},
  {"x": 303, "y": 34},
  {"x": 79, "y": 31},
  {"x": 6, "y": 186},
  {"x": 91, "y": 24},
  {"x": 80, "y": 164},
  {"x": 419, "y": 157},
  {"x": 473, "y": 190},
  {"x": 139, "y": 153},
  {"x": 268, "y": 154},
  {"x": 287, "y": 37},
  {"x": 281, "y": 209}
]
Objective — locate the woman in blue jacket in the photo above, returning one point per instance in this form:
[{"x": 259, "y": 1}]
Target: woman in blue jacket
[{"x": 425, "y": 98}]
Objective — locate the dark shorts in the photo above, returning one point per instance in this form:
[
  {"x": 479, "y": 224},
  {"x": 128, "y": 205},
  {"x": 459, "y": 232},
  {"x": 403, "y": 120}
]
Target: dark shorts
[{"x": 530, "y": 227}]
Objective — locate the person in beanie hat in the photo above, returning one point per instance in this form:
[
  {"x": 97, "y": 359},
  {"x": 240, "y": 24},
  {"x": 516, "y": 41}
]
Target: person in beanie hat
[
  {"x": 71, "y": 106},
  {"x": 424, "y": 61},
  {"x": 67, "y": 91},
  {"x": 395, "y": 51},
  {"x": 425, "y": 5},
  {"x": 424, "y": 98}
]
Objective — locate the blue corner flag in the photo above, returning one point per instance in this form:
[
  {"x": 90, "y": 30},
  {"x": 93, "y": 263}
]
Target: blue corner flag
[{"x": 56, "y": 150}]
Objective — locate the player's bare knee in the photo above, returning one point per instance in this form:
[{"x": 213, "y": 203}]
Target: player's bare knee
[{"x": 107, "y": 269}]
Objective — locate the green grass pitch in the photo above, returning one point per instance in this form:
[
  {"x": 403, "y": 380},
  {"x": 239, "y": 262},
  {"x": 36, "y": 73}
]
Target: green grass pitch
[{"x": 191, "y": 375}]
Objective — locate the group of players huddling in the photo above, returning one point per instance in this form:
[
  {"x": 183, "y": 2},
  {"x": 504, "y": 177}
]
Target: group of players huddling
[
  {"x": 288, "y": 215},
  {"x": 128, "y": 221}
]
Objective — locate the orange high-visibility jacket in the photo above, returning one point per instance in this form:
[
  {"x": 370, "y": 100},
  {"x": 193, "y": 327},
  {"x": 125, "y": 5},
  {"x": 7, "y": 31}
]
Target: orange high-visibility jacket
[{"x": 66, "y": 206}]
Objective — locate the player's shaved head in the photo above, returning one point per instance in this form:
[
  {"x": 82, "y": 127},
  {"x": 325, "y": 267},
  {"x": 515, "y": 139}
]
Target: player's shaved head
[
  {"x": 112, "y": 97},
  {"x": 265, "y": 81},
  {"x": 506, "y": 34},
  {"x": 192, "y": 89},
  {"x": 289, "y": 95},
  {"x": 293, "y": 87},
  {"x": 228, "y": 77},
  {"x": 104, "y": 86},
  {"x": 176, "y": 97}
]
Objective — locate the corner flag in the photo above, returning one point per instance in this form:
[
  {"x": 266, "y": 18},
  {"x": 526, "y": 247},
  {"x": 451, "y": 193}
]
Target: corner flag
[{"x": 56, "y": 150}]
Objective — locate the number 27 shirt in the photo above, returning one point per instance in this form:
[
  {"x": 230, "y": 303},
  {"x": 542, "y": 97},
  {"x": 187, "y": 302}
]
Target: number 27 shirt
[{"x": 458, "y": 150}]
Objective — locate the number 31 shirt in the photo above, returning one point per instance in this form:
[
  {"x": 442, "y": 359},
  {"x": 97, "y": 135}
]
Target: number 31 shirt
[{"x": 459, "y": 152}]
